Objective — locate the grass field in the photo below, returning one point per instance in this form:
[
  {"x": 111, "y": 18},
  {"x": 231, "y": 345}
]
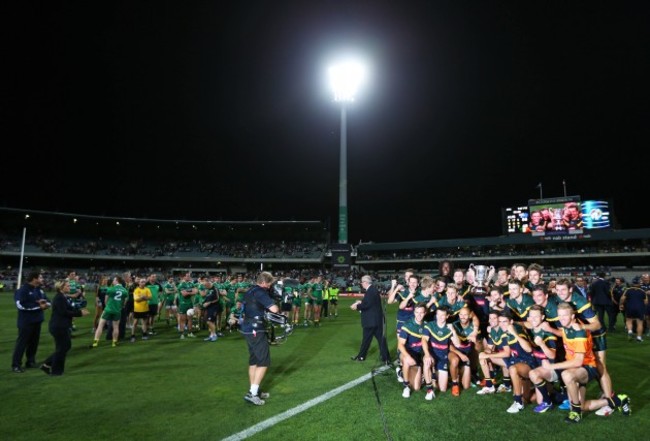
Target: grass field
[{"x": 167, "y": 388}]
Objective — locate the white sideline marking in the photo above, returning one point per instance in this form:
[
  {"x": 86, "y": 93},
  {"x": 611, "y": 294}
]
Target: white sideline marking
[{"x": 301, "y": 408}]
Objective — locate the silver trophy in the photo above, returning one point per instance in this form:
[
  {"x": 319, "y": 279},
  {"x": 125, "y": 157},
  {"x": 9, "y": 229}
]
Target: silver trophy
[
  {"x": 481, "y": 274},
  {"x": 558, "y": 215}
]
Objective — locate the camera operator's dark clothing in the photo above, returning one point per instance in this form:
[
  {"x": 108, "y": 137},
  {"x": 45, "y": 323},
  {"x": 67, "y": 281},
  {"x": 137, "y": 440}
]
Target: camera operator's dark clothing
[
  {"x": 256, "y": 300},
  {"x": 60, "y": 324},
  {"x": 30, "y": 317},
  {"x": 214, "y": 308}
]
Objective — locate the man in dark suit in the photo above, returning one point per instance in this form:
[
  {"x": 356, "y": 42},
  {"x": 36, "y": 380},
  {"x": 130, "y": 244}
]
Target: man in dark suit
[
  {"x": 601, "y": 298},
  {"x": 372, "y": 321}
]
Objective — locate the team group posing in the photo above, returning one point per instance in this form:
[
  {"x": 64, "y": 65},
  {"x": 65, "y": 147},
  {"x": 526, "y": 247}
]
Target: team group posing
[
  {"x": 194, "y": 303},
  {"x": 546, "y": 343}
]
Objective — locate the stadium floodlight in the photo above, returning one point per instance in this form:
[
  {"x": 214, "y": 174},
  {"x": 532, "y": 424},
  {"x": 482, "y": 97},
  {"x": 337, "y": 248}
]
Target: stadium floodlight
[{"x": 345, "y": 79}]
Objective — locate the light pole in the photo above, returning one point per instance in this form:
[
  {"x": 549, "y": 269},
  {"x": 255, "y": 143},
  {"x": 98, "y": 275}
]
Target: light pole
[{"x": 345, "y": 79}]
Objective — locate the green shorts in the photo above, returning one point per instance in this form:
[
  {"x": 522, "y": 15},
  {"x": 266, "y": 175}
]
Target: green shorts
[{"x": 111, "y": 316}]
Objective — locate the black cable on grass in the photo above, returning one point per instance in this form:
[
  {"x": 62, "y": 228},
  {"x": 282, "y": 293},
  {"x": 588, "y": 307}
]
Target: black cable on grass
[{"x": 381, "y": 408}]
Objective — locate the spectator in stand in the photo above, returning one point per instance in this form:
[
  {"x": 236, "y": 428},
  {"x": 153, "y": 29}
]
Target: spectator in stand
[
  {"x": 60, "y": 324},
  {"x": 30, "y": 301}
]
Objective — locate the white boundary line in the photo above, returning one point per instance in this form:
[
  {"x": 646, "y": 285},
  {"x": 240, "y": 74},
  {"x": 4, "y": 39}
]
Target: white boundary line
[{"x": 301, "y": 408}]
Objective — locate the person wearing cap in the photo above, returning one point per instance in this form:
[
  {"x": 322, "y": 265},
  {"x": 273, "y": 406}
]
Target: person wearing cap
[
  {"x": 633, "y": 304},
  {"x": 257, "y": 300}
]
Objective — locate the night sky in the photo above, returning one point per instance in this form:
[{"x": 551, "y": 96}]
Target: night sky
[{"x": 220, "y": 111}]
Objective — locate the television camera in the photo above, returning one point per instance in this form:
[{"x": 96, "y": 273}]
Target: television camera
[{"x": 277, "y": 326}]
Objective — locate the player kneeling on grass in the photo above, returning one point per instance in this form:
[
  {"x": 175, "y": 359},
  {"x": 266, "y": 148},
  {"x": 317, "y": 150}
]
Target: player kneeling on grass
[
  {"x": 462, "y": 354},
  {"x": 544, "y": 344},
  {"x": 409, "y": 345},
  {"x": 496, "y": 353},
  {"x": 580, "y": 367},
  {"x": 523, "y": 361},
  {"x": 435, "y": 344}
]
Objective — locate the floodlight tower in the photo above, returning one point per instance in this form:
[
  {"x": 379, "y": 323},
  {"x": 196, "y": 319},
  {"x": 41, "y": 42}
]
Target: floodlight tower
[{"x": 345, "y": 79}]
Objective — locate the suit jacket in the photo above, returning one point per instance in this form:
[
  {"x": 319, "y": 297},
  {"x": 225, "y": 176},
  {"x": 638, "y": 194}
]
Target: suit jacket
[
  {"x": 372, "y": 313},
  {"x": 600, "y": 293},
  {"x": 62, "y": 312}
]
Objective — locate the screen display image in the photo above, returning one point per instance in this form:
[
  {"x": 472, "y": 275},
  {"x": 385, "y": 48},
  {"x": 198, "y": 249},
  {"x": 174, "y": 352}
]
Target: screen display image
[
  {"x": 595, "y": 214},
  {"x": 555, "y": 217}
]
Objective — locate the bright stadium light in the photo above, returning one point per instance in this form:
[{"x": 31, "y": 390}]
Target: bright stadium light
[{"x": 345, "y": 79}]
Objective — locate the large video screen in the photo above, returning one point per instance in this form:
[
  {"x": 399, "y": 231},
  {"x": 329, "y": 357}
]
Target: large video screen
[
  {"x": 596, "y": 214},
  {"x": 556, "y": 216}
]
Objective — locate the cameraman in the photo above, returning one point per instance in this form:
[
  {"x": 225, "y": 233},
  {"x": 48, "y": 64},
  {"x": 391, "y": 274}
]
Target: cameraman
[{"x": 256, "y": 300}]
